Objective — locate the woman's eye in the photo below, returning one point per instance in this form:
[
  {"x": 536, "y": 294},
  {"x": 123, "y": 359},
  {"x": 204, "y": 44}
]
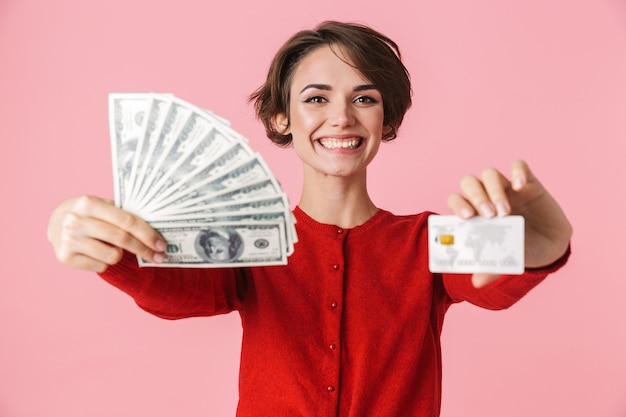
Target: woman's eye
[
  {"x": 365, "y": 99},
  {"x": 315, "y": 99}
]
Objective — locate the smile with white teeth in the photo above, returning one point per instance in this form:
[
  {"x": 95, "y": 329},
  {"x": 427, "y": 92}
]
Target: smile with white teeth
[{"x": 333, "y": 143}]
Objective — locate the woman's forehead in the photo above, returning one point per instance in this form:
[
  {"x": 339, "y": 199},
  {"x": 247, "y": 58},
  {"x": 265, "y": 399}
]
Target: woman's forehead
[{"x": 326, "y": 65}]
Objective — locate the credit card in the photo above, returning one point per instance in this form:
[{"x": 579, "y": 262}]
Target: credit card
[{"x": 492, "y": 245}]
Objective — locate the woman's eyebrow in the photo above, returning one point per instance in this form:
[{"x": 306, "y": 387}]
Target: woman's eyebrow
[
  {"x": 363, "y": 87},
  {"x": 317, "y": 87}
]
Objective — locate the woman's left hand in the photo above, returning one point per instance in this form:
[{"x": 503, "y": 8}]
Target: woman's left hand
[{"x": 548, "y": 232}]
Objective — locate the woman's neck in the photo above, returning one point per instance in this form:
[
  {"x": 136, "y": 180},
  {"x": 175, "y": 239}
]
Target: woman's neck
[{"x": 337, "y": 200}]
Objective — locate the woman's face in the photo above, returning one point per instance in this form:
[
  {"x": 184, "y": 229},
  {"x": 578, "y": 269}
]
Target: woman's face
[{"x": 336, "y": 116}]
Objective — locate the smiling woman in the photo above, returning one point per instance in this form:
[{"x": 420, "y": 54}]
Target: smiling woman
[
  {"x": 320, "y": 335},
  {"x": 373, "y": 55},
  {"x": 336, "y": 116}
]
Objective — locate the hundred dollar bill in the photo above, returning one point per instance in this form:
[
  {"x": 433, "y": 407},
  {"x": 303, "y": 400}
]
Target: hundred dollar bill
[
  {"x": 233, "y": 156},
  {"x": 254, "y": 169},
  {"x": 212, "y": 154},
  {"x": 180, "y": 131},
  {"x": 217, "y": 117},
  {"x": 258, "y": 205},
  {"x": 259, "y": 189},
  {"x": 127, "y": 116},
  {"x": 220, "y": 245},
  {"x": 177, "y": 115},
  {"x": 282, "y": 216},
  {"x": 196, "y": 129},
  {"x": 246, "y": 218},
  {"x": 183, "y": 169},
  {"x": 147, "y": 140}
]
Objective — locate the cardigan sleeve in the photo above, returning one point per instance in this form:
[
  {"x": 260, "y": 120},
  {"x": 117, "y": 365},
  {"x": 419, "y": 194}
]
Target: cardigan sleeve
[
  {"x": 176, "y": 293},
  {"x": 504, "y": 291}
]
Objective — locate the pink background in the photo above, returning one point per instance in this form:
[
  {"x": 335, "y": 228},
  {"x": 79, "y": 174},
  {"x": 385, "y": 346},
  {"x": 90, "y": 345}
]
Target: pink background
[{"x": 493, "y": 81}]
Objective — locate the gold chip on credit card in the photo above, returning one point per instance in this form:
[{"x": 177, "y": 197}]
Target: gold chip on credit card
[{"x": 446, "y": 239}]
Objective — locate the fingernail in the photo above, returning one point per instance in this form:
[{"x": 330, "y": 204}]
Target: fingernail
[
  {"x": 158, "y": 258},
  {"x": 160, "y": 245},
  {"x": 518, "y": 183},
  {"x": 466, "y": 213},
  {"x": 502, "y": 208},
  {"x": 486, "y": 210}
]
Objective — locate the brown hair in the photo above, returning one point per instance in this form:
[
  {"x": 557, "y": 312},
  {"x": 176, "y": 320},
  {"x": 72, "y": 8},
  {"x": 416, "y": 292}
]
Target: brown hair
[{"x": 373, "y": 54}]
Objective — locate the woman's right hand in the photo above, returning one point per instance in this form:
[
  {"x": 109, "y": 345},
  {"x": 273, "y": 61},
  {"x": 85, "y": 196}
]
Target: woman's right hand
[{"x": 91, "y": 233}]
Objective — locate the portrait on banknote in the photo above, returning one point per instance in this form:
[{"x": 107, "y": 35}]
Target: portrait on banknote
[{"x": 219, "y": 244}]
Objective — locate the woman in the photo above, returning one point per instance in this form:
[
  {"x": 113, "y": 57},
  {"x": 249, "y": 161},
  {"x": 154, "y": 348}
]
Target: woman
[{"x": 343, "y": 329}]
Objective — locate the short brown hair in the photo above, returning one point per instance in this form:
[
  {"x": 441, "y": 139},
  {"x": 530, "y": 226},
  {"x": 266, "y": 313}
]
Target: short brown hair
[{"x": 373, "y": 54}]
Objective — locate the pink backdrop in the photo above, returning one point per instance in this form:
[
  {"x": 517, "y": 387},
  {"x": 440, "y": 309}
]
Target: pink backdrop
[{"x": 493, "y": 81}]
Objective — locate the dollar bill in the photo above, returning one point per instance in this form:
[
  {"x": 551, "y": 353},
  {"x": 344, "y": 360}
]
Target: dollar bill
[
  {"x": 185, "y": 171},
  {"x": 196, "y": 128},
  {"x": 263, "y": 188},
  {"x": 127, "y": 116},
  {"x": 177, "y": 116},
  {"x": 217, "y": 117},
  {"x": 212, "y": 155},
  {"x": 157, "y": 112},
  {"x": 255, "y": 210},
  {"x": 253, "y": 169},
  {"x": 282, "y": 216},
  {"x": 220, "y": 245},
  {"x": 258, "y": 205}
]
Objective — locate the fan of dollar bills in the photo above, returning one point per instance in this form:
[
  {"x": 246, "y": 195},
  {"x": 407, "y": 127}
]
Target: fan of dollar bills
[{"x": 197, "y": 182}]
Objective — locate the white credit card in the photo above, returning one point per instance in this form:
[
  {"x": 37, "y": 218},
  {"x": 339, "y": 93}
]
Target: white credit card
[{"x": 478, "y": 244}]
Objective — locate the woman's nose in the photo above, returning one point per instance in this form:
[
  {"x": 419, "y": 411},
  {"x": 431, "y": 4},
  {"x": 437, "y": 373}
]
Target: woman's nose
[{"x": 341, "y": 115}]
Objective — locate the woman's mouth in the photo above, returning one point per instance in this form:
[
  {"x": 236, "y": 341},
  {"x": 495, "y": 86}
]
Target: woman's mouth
[{"x": 334, "y": 143}]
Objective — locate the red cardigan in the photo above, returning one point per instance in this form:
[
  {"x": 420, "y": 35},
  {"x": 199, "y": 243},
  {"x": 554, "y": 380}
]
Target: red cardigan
[{"x": 350, "y": 327}]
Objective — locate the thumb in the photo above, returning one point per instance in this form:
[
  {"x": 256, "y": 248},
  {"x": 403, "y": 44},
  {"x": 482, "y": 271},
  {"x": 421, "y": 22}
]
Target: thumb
[{"x": 480, "y": 279}]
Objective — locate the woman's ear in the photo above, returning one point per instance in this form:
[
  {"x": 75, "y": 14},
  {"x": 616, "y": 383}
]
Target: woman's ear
[{"x": 280, "y": 123}]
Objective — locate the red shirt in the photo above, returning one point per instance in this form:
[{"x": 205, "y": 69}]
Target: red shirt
[{"x": 350, "y": 327}]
